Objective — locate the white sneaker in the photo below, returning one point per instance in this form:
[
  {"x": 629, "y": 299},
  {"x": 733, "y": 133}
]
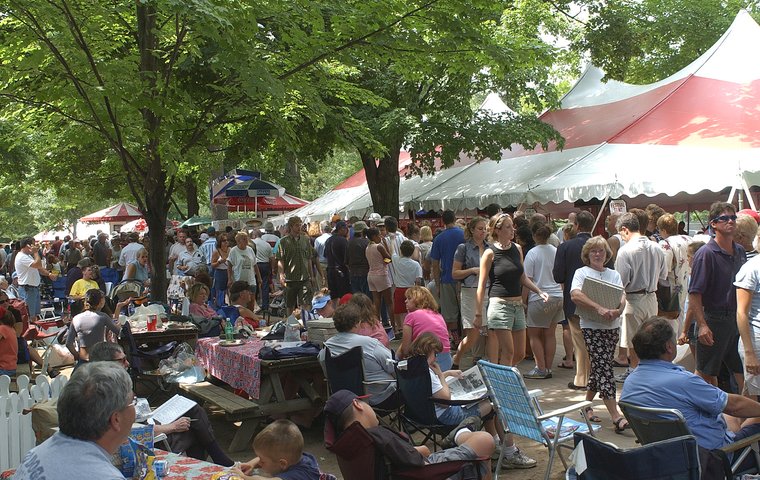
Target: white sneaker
[{"x": 517, "y": 460}]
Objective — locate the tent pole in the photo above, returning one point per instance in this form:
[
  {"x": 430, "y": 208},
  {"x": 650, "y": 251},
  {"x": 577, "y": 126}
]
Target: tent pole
[
  {"x": 601, "y": 210},
  {"x": 750, "y": 200}
]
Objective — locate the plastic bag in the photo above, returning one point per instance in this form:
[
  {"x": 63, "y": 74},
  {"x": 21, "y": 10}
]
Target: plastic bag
[
  {"x": 133, "y": 456},
  {"x": 182, "y": 359},
  {"x": 140, "y": 318}
]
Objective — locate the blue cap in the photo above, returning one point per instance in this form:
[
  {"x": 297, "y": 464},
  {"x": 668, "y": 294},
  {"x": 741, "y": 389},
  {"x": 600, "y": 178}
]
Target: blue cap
[{"x": 320, "y": 302}]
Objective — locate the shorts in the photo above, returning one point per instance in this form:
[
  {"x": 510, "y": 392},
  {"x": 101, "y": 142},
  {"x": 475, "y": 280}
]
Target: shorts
[
  {"x": 638, "y": 308},
  {"x": 460, "y": 453},
  {"x": 543, "y": 315},
  {"x": 506, "y": 315},
  {"x": 297, "y": 294},
  {"x": 378, "y": 283},
  {"x": 399, "y": 300},
  {"x": 449, "y": 302},
  {"x": 456, "y": 413},
  {"x": 751, "y": 381},
  {"x": 468, "y": 299},
  {"x": 726, "y": 338},
  {"x": 338, "y": 282}
]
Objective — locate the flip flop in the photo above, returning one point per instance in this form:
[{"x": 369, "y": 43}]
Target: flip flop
[
  {"x": 573, "y": 386},
  {"x": 562, "y": 365},
  {"x": 615, "y": 363},
  {"x": 618, "y": 428},
  {"x": 589, "y": 411}
]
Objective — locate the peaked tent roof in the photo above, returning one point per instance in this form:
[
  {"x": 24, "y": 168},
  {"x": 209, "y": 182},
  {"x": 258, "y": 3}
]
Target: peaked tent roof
[
  {"x": 121, "y": 212},
  {"x": 679, "y": 140}
]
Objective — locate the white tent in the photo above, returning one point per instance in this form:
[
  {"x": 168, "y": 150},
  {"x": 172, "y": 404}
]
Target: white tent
[{"x": 686, "y": 140}]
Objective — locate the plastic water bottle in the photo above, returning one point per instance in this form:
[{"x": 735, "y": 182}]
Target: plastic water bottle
[
  {"x": 292, "y": 330},
  {"x": 229, "y": 331},
  {"x": 131, "y": 308}
]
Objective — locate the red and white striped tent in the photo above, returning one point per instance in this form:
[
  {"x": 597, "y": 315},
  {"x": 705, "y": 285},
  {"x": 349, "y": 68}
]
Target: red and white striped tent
[
  {"x": 285, "y": 202},
  {"x": 682, "y": 142},
  {"x": 121, "y": 212}
]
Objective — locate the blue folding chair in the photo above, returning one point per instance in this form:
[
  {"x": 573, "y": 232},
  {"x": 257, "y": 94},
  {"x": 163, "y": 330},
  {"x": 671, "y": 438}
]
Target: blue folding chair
[
  {"x": 520, "y": 412},
  {"x": 673, "y": 459},
  {"x": 228, "y": 311}
]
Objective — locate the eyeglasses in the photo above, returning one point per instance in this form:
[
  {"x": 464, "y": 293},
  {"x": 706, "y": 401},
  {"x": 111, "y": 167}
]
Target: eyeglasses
[
  {"x": 132, "y": 403},
  {"x": 724, "y": 218},
  {"x": 122, "y": 360}
]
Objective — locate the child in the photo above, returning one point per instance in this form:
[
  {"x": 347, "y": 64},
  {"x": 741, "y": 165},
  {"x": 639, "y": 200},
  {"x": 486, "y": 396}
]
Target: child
[
  {"x": 279, "y": 450},
  {"x": 406, "y": 273}
]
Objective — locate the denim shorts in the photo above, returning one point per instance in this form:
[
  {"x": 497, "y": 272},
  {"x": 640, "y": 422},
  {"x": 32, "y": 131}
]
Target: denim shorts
[
  {"x": 456, "y": 413},
  {"x": 506, "y": 315}
]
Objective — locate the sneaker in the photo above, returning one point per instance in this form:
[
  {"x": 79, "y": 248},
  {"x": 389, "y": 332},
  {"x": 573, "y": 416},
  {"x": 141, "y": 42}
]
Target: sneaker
[
  {"x": 473, "y": 424},
  {"x": 621, "y": 378},
  {"x": 517, "y": 460},
  {"x": 537, "y": 373}
]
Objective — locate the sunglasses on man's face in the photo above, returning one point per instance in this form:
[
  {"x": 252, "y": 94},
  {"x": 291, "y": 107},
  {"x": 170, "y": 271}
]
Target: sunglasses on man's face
[{"x": 724, "y": 218}]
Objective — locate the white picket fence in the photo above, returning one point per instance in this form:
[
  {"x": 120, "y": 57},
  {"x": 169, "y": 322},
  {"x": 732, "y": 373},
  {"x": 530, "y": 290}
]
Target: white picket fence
[{"x": 16, "y": 434}]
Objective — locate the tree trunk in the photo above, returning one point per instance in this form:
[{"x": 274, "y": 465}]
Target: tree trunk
[
  {"x": 292, "y": 175},
  {"x": 191, "y": 192},
  {"x": 218, "y": 211},
  {"x": 383, "y": 180}
]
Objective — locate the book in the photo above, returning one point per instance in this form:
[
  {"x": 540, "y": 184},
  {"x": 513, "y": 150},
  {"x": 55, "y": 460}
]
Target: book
[
  {"x": 469, "y": 387},
  {"x": 606, "y": 294},
  {"x": 172, "y": 409},
  {"x": 568, "y": 427}
]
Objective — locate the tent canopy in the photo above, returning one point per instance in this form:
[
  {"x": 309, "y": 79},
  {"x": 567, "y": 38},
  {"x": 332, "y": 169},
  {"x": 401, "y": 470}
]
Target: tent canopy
[{"x": 121, "y": 212}]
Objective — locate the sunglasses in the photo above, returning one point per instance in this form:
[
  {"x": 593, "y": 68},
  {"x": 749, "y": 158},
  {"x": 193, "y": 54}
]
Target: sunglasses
[{"x": 724, "y": 218}]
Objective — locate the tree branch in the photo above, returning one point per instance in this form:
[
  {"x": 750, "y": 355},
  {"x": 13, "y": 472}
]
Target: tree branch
[
  {"x": 51, "y": 108},
  {"x": 565, "y": 12},
  {"x": 356, "y": 41}
]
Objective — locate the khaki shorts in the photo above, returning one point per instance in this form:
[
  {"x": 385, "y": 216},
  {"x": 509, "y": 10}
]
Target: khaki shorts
[
  {"x": 378, "y": 283},
  {"x": 506, "y": 315},
  {"x": 638, "y": 308},
  {"x": 468, "y": 299},
  {"x": 542, "y": 314}
]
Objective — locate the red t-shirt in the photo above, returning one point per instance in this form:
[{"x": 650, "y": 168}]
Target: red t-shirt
[{"x": 8, "y": 348}]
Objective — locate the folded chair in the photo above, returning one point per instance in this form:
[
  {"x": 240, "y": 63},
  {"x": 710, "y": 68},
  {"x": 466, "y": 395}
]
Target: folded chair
[
  {"x": 520, "y": 412},
  {"x": 138, "y": 357},
  {"x": 672, "y": 459},
  {"x": 360, "y": 459},
  {"x": 346, "y": 372},
  {"x": 656, "y": 424},
  {"x": 418, "y": 414}
]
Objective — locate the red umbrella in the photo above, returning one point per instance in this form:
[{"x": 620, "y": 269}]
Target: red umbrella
[{"x": 121, "y": 212}]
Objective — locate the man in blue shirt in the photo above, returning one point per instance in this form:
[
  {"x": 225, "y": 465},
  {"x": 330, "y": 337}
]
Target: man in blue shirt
[
  {"x": 442, "y": 256},
  {"x": 658, "y": 383}
]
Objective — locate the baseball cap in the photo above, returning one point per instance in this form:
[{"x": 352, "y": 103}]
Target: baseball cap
[
  {"x": 335, "y": 218},
  {"x": 340, "y": 224},
  {"x": 210, "y": 230},
  {"x": 339, "y": 401},
  {"x": 374, "y": 217},
  {"x": 320, "y": 302},
  {"x": 204, "y": 237},
  {"x": 268, "y": 227},
  {"x": 751, "y": 213},
  {"x": 360, "y": 226},
  {"x": 345, "y": 299}
]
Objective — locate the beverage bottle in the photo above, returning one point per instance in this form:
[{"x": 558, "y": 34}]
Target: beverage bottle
[{"x": 229, "y": 332}]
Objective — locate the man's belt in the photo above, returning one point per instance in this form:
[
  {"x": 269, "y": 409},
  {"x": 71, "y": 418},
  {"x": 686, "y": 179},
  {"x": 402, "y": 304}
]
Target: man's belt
[
  {"x": 637, "y": 292},
  {"x": 29, "y": 286}
]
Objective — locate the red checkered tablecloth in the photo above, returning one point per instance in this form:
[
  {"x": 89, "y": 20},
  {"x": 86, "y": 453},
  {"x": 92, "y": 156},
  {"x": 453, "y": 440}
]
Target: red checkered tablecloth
[
  {"x": 186, "y": 468},
  {"x": 238, "y": 367}
]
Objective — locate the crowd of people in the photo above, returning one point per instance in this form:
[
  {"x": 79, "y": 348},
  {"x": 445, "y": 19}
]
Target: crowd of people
[{"x": 496, "y": 286}]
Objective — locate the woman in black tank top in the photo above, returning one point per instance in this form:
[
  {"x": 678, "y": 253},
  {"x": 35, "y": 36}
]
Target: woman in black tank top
[{"x": 502, "y": 265}]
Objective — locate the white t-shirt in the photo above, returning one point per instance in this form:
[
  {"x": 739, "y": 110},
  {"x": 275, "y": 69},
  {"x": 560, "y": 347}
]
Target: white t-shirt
[
  {"x": 264, "y": 251},
  {"x": 748, "y": 278},
  {"x": 407, "y": 271},
  {"x": 609, "y": 276},
  {"x": 26, "y": 274},
  {"x": 243, "y": 262},
  {"x": 129, "y": 253},
  {"x": 436, "y": 385},
  {"x": 319, "y": 245},
  {"x": 539, "y": 263}
]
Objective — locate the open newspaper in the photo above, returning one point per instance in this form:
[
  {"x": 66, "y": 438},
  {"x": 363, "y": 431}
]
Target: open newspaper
[
  {"x": 606, "y": 294},
  {"x": 172, "y": 409},
  {"x": 470, "y": 387}
]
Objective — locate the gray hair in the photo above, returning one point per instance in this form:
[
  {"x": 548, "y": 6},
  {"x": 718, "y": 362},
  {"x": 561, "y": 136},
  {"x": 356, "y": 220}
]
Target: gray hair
[
  {"x": 104, "y": 351},
  {"x": 629, "y": 221},
  {"x": 94, "y": 392}
]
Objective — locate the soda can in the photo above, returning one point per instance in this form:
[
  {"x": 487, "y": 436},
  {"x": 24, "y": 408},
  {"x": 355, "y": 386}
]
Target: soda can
[
  {"x": 161, "y": 467},
  {"x": 262, "y": 323}
]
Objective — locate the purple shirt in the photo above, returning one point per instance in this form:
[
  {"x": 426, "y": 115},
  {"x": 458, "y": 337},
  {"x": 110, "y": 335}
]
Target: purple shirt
[{"x": 712, "y": 275}]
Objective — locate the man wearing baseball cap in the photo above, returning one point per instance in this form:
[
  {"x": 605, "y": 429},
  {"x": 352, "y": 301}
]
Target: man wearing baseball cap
[{"x": 343, "y": 408}]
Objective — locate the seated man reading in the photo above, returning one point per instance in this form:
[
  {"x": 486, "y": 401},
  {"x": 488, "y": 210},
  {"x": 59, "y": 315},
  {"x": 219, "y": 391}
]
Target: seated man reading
[
  {"x": 659, "y": 383},
  {"x": 343, "y": 408}
]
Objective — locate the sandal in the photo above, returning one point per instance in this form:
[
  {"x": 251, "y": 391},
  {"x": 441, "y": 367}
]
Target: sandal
[
  {"x": 589, "y": 411},
  {"x": 620, "y": 429},
  {"x": 615, "y": 363},
  {"x": 563, "y": 365}
]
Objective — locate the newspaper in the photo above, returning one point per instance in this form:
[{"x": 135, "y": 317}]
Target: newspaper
[
  {"x": 606, "y": 294},
  {"x": 470, "y": 387},
  {"x": 172, "y": 409}
]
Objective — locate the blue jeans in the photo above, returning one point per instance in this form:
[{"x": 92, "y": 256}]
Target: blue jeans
[
  {"x": 456, "y": 413},
  {"x": 220, "y": 286},
  {"x": 359, "y": 285},
  {"x": 10, "y": 373},
  {"x": 31, "y": 295},
  {"x": 266, "y": 275}
]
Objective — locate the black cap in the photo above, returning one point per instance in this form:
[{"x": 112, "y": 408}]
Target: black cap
[{"x": 339, "y": 401}]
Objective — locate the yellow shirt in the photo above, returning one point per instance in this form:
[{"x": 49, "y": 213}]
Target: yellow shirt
[{"x": 81, "y": 286}]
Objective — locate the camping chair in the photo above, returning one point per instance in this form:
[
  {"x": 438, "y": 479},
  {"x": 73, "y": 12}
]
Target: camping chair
[
  {"x": 672, "y": 459},
  {"x": 655, "y": 424},
  {"x": 346, "y": 372},
  {"x": 137, "y": 356},
  {"x": 359, "y": 459},
  {"x": 520, "y": 412},
  {"x": 418, "y": 415}
]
